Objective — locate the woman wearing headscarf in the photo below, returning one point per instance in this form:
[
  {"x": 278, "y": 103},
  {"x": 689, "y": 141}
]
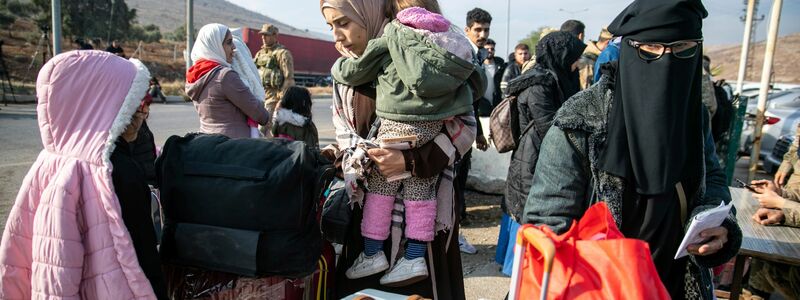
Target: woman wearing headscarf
[
  {"x": 540, "y": 93},
  {"x": 81, "y": 226},
  {"x": 222, "y": 99},
  {"x": 639, "y": 140},
  {"x": 354, "y": 23}
]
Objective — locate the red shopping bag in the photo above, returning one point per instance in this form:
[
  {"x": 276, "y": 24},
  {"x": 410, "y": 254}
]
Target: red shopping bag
[{"x": 593, "y": 260}]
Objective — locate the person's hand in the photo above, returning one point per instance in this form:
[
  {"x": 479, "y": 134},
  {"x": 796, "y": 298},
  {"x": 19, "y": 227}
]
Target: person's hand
[
  {"x": 717, "y": 236},
  {"x": 770, "y": 199},
  {"x": 766, "y": 216},
  {"x": 481, "y": 143},
  {"x": 763, "y": 185},
  {"x": 390, "y": 162},
  {"x": 344, "y": 52},
  {"x": 780, "y": 178}
]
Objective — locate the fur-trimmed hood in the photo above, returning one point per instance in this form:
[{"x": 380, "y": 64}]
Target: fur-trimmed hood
[
  {"x": 65, "y": 237},
  {"x": 284, "y": 115}
]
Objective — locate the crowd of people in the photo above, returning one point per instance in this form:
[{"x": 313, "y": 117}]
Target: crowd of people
[{"x": 623, "y": 119}]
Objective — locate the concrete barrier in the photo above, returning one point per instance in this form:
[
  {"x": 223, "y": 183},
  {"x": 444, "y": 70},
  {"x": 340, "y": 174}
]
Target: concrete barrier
[{"x": 489, "y": 169}]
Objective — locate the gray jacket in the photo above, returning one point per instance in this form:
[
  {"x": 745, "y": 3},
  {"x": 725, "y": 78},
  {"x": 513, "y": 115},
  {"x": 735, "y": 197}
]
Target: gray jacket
[
  {"x": 567, "y": 180},
  {"x": 224, "y": 103}
]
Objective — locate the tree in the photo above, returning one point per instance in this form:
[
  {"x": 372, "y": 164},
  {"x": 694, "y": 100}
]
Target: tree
[
  {"x": 533, "y": 38},
  {"x": 106, "y": 19},
  {"x": 179, "y": 34}
]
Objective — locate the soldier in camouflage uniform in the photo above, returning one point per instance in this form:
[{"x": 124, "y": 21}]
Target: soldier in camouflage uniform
[
  {"x": 276, "y": 68},
  {"x": 783, "y": 209}
]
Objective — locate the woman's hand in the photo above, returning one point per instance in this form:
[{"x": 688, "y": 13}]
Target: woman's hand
[
  {"x": 718, "y": 237},
  {"x": 765, "y": 216},
  {"x": 390, "y": 162},
  {"x": 770, "y": 199}
]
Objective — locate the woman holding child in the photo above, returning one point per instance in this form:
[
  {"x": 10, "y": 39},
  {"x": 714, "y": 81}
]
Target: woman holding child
[{"x": 431, "y": 264}]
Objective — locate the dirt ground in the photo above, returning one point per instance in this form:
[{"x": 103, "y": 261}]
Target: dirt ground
[{"x": 482, "y": 276}]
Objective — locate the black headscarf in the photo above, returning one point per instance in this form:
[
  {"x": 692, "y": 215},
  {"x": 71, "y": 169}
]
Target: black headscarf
[
  {"x": 557, "y": 52},
  {"x": 655, "y": 134}
]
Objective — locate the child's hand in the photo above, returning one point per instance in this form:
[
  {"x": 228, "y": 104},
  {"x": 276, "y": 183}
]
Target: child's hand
[{"x": 769, "y": 199}]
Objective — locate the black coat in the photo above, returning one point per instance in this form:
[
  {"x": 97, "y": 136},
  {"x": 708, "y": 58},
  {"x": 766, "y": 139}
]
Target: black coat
[
  {"x": 134, "y": 200},
  {"x": 538, "y": 100}
]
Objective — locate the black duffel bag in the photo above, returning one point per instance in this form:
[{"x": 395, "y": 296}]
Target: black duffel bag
[{"x": 243, "y": 206}]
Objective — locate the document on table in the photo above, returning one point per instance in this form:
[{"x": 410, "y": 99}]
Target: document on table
[{"x": 705, "y": 220}]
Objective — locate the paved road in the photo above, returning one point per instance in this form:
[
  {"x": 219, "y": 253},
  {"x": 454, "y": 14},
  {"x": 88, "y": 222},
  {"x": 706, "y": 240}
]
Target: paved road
[{"x": 20, "y": 142}]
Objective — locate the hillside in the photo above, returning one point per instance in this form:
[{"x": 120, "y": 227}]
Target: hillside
[
  {"x": 169, "y": 15},
  {"x": 784, "y": 67}
]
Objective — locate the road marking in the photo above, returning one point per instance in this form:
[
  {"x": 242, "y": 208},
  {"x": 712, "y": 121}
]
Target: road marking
[{"x": 17, "y": 164}]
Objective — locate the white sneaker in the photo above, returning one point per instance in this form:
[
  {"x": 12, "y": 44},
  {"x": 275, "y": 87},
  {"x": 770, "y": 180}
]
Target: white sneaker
[
  {"x": 406, "y": 272},
  {"x": 465, "y": 246},
  {"x": 367, "y": 265}
]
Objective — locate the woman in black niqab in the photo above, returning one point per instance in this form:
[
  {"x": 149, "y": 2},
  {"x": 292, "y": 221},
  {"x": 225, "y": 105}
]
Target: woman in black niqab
[{"x": 655, "y": 127}]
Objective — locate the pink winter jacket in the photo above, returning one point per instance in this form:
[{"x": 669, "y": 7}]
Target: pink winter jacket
[{"x": 65, "y": 238}]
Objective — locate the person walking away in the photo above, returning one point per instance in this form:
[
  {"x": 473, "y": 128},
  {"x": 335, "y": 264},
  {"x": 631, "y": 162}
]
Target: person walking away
[
  {"x": 116, "y": 49},
  {"x": 574, "y": 27},
  {"x": 354, "y": 23},
  {"x": 494, "y": 67},
  {"x": 80, "y": 225},
  {"x": 276, "y": 67},
  {"x": 446, "y": 65},
  {"x": 589, "y": 58},
  {"x": 221, "y": 98},
  {"x": 540, "y": 93},
  {"x": 514, "y": 69},
  {"x": 155, "y": 90},
  {"x": 643, "y": 145},
  {"x": 293, "y": 118}
]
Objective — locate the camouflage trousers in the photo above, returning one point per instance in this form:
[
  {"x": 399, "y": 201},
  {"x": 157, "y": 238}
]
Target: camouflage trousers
[{"x": 775, "y": 277}]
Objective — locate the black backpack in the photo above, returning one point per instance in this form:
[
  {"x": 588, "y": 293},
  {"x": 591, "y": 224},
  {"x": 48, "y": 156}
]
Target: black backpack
[
  {"x": 721, "y": 122},
  {"x": 242, "y": 206}
]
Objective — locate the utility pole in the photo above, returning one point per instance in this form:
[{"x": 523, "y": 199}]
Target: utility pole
[
  {"x": 740, "y": 103},
  {"x": 189, "y": 32},
  {"x": 55, "y": 15},
  {"x": 508, "y": 29},
  {"x": 766, "y": 74}
]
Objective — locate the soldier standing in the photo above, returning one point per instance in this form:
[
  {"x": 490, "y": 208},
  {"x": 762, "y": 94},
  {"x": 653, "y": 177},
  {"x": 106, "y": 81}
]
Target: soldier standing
[{"x": 276, "y": 68}]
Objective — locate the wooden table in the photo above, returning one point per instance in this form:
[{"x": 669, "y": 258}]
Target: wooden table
[{"x": 770, "y": 243}]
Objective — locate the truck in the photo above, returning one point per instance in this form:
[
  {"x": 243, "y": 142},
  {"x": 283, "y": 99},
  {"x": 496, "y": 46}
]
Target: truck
[{"x": 313, "y": 57}]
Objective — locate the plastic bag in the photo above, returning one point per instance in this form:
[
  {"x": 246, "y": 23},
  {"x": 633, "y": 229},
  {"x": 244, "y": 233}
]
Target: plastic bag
[{"x": 593, "y": 260}]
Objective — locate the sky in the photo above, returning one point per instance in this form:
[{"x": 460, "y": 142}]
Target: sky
[{"x": 722, "y": 27}]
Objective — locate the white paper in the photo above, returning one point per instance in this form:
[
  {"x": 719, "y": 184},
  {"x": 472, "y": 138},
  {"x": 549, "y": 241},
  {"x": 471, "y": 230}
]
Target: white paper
[{"x": 705, "y": 220}]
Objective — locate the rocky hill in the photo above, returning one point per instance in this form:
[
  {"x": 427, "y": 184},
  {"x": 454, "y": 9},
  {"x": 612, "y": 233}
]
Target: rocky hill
[
  {"x": 784, "y": 67},
  {"x": 169, "y": 15}
]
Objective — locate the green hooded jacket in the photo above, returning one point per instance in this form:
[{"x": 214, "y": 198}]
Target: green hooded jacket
[{"x": 417, "y": 80}]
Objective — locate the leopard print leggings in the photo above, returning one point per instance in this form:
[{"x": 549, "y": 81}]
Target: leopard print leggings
[{"x": 414, "y": 188}]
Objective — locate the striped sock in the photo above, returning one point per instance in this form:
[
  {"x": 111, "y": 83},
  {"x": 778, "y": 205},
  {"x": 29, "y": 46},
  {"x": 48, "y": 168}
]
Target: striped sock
[
  {"x": 415, "y": 249},
  {"x": 372, "y": 247}
]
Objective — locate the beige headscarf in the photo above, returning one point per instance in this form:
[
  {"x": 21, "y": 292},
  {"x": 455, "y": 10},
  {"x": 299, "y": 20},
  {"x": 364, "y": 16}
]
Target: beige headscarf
[{"x": 370, "y": 14}]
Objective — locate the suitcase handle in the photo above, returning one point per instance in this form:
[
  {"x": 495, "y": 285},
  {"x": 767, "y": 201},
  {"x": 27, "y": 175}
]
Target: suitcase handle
[{"x": 528, "y": 234}]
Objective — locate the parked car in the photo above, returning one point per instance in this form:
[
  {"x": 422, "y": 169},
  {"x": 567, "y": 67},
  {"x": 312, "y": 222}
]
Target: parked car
[{"x": 782, "y": 116}]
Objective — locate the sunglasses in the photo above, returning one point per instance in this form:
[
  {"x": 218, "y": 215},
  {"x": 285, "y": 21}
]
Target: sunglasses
[{"x": 650, "y": 51}]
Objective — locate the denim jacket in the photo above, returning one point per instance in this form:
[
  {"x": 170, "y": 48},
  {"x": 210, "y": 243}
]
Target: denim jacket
[{"x": 567, "y": 180}]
